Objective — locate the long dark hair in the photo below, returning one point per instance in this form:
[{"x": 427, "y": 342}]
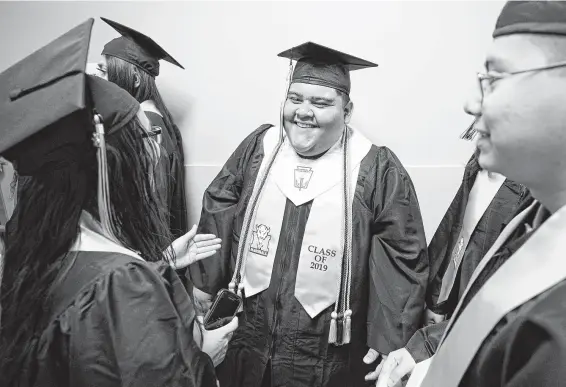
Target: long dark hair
[
  {"x": 122, "y": 73},
  {"x": 46, "y": 223}
]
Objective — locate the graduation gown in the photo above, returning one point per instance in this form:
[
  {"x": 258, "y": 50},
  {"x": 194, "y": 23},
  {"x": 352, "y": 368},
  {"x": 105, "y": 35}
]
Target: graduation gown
[
  {"x": 117, "y": 321},
  {"x": 175, "y": 186},
  {"x": 389, "y": 275},
  {"x": 528, "y": 346},
  {"x": 500, "y": 211}
]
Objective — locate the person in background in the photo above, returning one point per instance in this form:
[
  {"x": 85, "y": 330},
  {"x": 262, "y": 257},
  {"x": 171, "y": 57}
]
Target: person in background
[
  {"x": 88, "y": 296},
  {"x": 132, "y": 62}
]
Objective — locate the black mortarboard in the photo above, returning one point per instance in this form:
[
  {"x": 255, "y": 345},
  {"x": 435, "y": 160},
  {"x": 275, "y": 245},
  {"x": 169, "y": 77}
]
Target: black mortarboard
[
  {"x": 532, "y": 17},
  {"x": 46, "y": 100},
  {"x": 320, "y": 65},
  {"x": 137, "y": 49}
]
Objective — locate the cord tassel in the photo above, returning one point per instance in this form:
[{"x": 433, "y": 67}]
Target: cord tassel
[
  {"x": 333, "y": 334},
  {"x": 347, "y": 331}
]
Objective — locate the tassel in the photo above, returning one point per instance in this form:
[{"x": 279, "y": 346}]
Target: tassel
[
  {"x": 347, "y": 331},
  {"x": 333, "y": 329},
  {"x": 469, "y": 133},
  {"x": 103, "y": 184}
]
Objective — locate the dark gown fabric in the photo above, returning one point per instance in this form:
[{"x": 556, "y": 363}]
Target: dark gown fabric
[
  {"x": 114, "y": 320},
  {"x": 389, "y": 276},
  {"x": 527, "y": 347},
  {"x": 175, "y": 186},
  {"x": 500, "y": 211}
]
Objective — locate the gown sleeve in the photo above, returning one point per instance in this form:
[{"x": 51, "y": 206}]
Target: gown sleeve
[
  {"x": 398, "y": 263},
  {"x": 220, "y": 203},
  {"x": 178, "y": 208},
  {"x": 135, "y": 328},
  {"x": 424, "y": 342}
]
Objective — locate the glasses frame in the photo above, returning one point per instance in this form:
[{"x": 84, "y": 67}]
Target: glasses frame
[
  {"x": 485, "y": 76},
  {"x": 470, "y": 132}
]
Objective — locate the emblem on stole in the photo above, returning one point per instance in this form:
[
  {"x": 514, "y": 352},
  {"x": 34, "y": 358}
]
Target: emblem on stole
[
  {"x": 260, "y": 240},
  {"x": 303, "y": 177}
]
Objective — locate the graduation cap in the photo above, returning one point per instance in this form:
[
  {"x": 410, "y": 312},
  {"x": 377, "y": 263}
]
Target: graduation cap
[
  {"x": 47, "y": 102},
  {"x": 137, "y": 49},
  {"x": 320, "y": 65},
  {"x": 532, "y": 17}
]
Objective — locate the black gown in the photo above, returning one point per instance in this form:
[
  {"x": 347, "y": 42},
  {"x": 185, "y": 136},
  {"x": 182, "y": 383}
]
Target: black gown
[
  {"x": 500, "y": 211},
  {"x": 175, "y": 186},
  {"x": 389, "y": 276},
  {"x": 527, "y": 348},
  {"x": 117, "y": 321}
]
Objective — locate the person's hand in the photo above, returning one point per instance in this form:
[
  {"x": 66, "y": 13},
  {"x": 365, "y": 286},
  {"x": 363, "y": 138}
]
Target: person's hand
[
  {"x": 202, "y": 300},
  {"x": 432, "y": 318},
  {"x": 370, "y": 358},
  {"x": 191, "y": 248},
  {"x": 398, "y": 364},
  {"x": 214, "y": 342}
]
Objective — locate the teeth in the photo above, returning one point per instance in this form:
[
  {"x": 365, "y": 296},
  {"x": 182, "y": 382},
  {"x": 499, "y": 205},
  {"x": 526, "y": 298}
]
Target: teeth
[{"x": 301, "y": 125}]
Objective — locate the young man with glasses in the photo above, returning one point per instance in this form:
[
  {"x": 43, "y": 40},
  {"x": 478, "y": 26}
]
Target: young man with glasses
[{"x": 509, "y": 328}]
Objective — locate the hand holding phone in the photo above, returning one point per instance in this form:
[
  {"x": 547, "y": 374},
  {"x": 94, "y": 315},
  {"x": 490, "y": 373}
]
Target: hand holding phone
[
  {"x": 224, "y": 307},
  {"x": 215, "y": 342}
]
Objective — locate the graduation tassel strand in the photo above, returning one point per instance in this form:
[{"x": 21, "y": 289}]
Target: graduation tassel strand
[
  {"x": 469, "y": 133},
  {"x": 347, "y": 331},
  {"x": 347, "y": 312},
  {"x": 333, "y": 334},
  {"x": 103, "y": 183}
]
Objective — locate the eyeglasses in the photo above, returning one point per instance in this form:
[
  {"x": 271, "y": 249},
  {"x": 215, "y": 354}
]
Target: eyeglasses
[
  {"x": 486, "y": 80},
  {"x": 485, "y": 83}
]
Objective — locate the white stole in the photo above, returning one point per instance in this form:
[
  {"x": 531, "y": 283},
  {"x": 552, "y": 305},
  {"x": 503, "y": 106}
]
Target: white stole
[
  {"x": 537, "y": 266},
  {"x": 302, "y": 180}
]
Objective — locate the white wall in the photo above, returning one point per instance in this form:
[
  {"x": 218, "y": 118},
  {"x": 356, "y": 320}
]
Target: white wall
[{"x": 428, "y": 53}]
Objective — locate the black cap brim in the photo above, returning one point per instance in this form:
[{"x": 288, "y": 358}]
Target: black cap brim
[{"x": 325, "y": 55}]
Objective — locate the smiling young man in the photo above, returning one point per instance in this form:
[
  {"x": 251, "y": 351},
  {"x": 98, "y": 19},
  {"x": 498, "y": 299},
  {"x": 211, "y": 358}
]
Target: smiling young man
[
  {"x": 322, "y": 235},
  {"x": 509, "y": 328}
]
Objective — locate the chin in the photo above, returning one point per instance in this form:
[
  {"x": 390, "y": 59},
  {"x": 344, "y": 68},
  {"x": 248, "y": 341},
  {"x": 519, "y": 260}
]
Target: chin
[
  {"x": 304, "y": 151},
  {"x": 489, "y": 163}
]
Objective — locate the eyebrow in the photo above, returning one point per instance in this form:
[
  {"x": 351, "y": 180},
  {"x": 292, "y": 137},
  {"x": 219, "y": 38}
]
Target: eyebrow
[{"x": 314, "y": 99}]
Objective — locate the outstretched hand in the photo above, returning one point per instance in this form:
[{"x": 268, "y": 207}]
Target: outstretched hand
[{"x": 193, "y": 247}]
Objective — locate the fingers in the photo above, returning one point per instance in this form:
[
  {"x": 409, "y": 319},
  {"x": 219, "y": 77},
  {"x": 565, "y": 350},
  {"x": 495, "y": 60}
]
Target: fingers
[
  {"x": 371, "y": 356},
  {"x": 232, "y": 325},
  {"x": 374, "y": 374},
  {"x": 201, "y": 256},
  {"x": 212, "y": 242},
  {"x": 228, "y": 329},
  {"x": 204, "y": 237},
  {"x": 206, "y": 249}
]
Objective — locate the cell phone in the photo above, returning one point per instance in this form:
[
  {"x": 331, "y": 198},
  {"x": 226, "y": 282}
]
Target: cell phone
[{"x": 223, "y": 309}]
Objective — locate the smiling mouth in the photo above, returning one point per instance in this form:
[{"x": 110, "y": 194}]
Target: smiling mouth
[{"x": 304, "y": 125}]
